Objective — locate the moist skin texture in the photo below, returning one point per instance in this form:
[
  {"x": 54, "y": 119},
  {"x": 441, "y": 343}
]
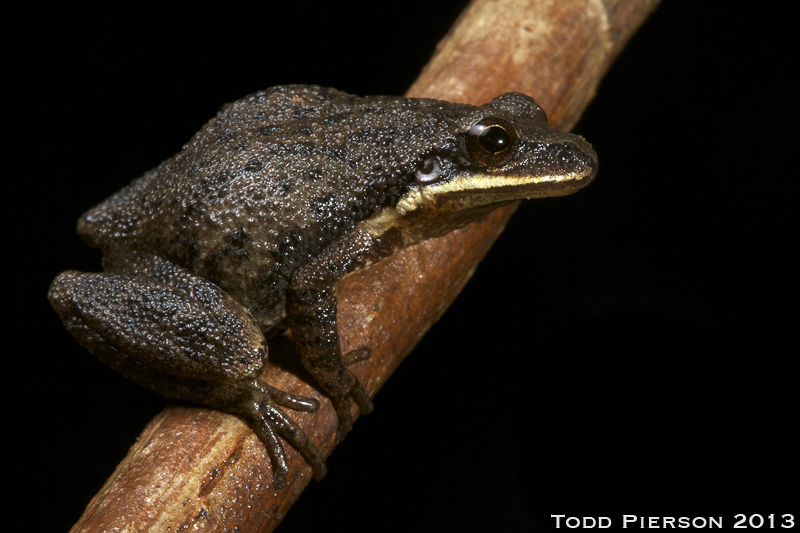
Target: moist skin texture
[{"x": 249, "y": 228}]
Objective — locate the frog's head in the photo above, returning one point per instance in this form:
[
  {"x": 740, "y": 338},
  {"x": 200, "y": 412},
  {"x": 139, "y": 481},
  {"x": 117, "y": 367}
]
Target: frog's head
[{"x": 503, "y": 151}]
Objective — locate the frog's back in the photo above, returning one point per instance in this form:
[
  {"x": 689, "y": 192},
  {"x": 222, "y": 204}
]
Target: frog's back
[{"x": 270, "y": 180}]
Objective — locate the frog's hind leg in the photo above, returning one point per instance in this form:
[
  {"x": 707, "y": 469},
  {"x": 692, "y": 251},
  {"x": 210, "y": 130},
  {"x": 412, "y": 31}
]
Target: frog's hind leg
[{"x": 183, "y": 337}]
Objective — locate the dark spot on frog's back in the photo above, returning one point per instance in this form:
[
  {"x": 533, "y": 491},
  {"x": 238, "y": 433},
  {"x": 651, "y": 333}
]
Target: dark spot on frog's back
[
  {"x": 254, "y": 164},
  {"x": 209, "y": 183},
  {"x": 302, "y": 149},
  {"x": 238, "y": 241},
  {"x": 225, "y": 136},
  {"x": 382, "y": 136},
  {"x": 268, "y": 129},
  {"x": 313, "y": 174},
  {"x": 302, "y": 112},
  {"x": 196, "y": 168},
  {"x": 284, "y": 184},
  {"x": 334, "y": 119}
]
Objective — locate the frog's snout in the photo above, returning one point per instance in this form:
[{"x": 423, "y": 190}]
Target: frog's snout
[{"x": 592, "y": 162}]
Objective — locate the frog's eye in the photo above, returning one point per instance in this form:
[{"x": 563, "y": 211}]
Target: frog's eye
[
  {"x": 429, "y": 171},
  {"x": 489, "y": 141}
]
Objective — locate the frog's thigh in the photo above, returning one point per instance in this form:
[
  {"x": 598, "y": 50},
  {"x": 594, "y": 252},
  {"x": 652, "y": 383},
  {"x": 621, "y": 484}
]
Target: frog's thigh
[{"x": 163, "y": 327}]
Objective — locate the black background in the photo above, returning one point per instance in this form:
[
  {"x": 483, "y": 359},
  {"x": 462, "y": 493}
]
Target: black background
[{"x": 629, "y": 349}]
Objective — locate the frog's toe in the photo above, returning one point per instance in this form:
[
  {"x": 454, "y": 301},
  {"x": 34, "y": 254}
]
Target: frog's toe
[
  {"x": 354, "y": 356},
  {"x": 361, "y": 397},
  {"x": 277, "y": 455},
  {"x": 295, "y": 402},
  {"x": 359, "y": 394},
  {"x": 344, "y": 416}
]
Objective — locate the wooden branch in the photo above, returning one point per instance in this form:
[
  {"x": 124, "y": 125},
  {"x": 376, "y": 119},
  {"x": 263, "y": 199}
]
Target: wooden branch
[{"x": 194, "y": 467}]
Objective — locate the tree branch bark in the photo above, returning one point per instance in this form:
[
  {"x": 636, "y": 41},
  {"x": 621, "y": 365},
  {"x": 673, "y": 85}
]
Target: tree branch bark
[{"x": 194, "y": 467}]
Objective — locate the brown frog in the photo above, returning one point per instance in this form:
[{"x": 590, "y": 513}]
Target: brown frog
[{"x": 248, "y": 229}]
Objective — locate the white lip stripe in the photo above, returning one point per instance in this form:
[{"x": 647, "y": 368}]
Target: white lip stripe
[
  {"x": 478, "y": 183},
  {"x": 490, "y": 181}
]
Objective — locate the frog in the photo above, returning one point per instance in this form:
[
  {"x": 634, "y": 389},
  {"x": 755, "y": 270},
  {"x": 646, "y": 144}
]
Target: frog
[{"x": 246, "y": 232}]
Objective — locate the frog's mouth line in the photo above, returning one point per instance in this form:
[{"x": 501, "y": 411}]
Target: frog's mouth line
[{"x": 515, "y": 187}]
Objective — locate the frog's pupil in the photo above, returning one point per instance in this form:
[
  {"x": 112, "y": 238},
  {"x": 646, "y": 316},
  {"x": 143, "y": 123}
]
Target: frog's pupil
[{"x": 494, "y": 139}]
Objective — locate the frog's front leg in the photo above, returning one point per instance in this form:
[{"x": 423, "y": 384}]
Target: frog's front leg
[
  {"x": 183, "y": 337},
  {"x": 311, "y": 309}
]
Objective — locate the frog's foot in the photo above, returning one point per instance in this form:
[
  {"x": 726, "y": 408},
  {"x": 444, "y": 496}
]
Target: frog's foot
[{"x": 270, "y": 421}]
